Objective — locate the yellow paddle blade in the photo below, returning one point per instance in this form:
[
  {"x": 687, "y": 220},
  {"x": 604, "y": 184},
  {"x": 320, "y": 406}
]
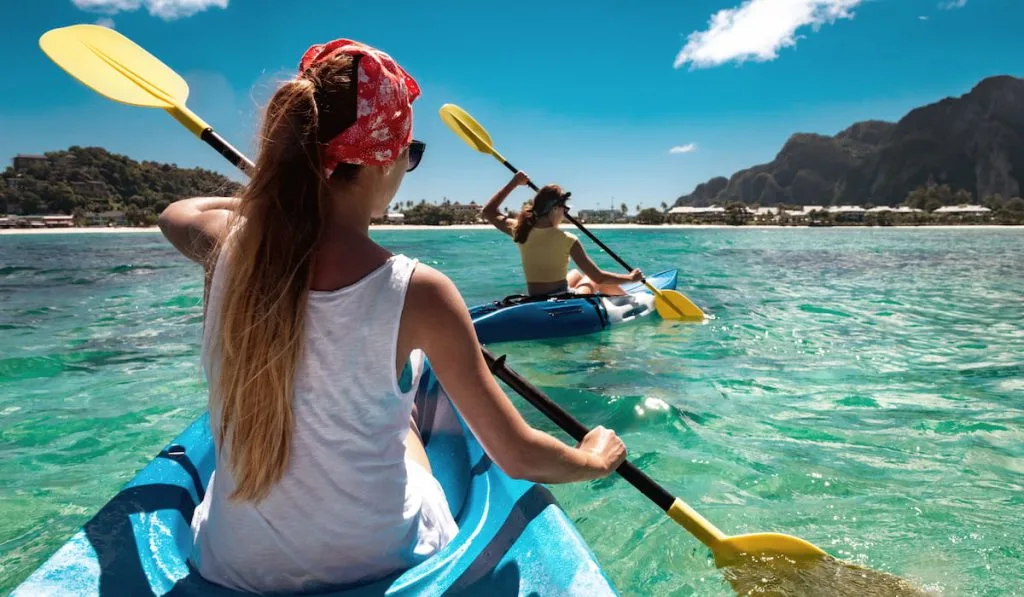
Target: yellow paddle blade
[
  {"x": 468, "y": 129},
  {"x": 736, "y": 549},
  {"x": 116, "y": 67},
  {"x": 672, "y": 304},
  {"x": 733, "y": 550}
]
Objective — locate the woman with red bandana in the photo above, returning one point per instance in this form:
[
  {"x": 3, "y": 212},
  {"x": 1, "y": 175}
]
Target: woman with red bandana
[
  {"x": 313, "y": 340},
  {"x": 545, "y": 249}
]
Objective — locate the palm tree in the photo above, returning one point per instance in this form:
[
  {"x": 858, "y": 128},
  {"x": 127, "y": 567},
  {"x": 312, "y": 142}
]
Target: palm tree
[
  {"x": 638, "y": 207},
  {"x": 664, "y": 206},
  {"x": 623, "y": 209}
]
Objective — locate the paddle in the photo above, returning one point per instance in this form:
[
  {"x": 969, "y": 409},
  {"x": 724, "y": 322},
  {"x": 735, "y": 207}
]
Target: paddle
[
  {"x": 116, "y": 67},
  {"x": 670, "y": 304},
  {"x": 727, "y": 550},
  {"x": 160, "y": 87}
]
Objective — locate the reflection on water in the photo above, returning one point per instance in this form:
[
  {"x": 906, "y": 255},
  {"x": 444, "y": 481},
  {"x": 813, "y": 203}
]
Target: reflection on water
[{"x": 781, "y": 577}]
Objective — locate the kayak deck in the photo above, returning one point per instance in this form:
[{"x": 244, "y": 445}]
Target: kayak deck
[
  {"x": 513, "y": 537},
  {"x": 566, "y": 316}
]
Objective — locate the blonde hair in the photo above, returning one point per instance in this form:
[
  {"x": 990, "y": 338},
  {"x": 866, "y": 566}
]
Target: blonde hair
[
  {"x": 543, "y": 202},
  {"x": 269, "y": 270}
]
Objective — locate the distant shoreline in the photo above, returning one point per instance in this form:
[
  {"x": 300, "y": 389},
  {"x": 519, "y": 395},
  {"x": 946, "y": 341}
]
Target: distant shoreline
[
  {"x": 412, "y": 227},
  {"x": 77, "y": 230}
]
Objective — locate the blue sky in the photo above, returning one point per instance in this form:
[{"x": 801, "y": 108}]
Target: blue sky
[{"x": 593, "y": 95}]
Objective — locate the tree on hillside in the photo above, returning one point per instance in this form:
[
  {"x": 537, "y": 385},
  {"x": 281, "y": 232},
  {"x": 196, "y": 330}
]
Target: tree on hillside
[
  {"x": 736, "y": 213},
  {"x": 81, "y": 180},
  {"x": 820, "y": 217},
  {"x": 932, "y": 197},
  {"x": 994, "y": 202},
  {"x": 962, "y": 197},
  {"x": 878, "y": 219},
  {"x": 429, "y": 215},
  {"x": 650, "y": 216}
]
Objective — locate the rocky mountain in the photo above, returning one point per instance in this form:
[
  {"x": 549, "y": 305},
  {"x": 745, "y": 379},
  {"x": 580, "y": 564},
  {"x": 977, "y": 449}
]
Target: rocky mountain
[{"x": 974, "y": 142}]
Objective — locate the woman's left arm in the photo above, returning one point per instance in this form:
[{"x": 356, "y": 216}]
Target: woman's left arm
[{"x": 598, "y": 275}]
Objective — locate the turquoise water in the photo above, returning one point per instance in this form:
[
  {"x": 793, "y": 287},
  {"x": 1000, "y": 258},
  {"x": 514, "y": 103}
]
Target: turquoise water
[{"x": 860, "y": 388}]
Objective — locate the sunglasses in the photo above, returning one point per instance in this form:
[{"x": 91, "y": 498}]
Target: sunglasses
[
  {"x": 416, "y": 149},
  {"x": 562, "y": 202}
]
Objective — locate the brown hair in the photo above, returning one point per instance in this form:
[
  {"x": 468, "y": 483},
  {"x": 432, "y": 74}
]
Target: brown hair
[
  {"x": 543, "y": 202},
  {"x": 262, "y": 316}
]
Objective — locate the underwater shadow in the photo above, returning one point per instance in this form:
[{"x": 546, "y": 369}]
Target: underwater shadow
[{"x": 112, "y": 537}]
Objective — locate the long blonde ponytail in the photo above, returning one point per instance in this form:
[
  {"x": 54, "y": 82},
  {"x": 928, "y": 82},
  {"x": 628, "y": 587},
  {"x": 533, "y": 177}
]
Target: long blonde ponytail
[{"x": 269, "y": 269}]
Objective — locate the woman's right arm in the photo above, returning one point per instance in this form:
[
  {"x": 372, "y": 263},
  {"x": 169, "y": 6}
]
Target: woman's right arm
[
  {"x": 196, "y": 226},
  {"x": 492, "y": 210},
  {"x": 439, "y": 324}
]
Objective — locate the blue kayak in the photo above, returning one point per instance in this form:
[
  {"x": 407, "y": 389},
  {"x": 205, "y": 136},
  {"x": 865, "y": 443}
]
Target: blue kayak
[
  {"x": 522, "y": 318},
  {"x": 513, "y": 537}
]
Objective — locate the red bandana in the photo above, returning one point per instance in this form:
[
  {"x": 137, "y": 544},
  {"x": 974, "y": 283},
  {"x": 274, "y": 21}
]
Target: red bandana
[{"x": 385, "y": 92}]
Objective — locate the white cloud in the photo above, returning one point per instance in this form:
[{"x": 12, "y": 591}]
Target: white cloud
[
  {"x": 107, "y": 6},
  {"x": 684, "y": 148},
  {"x": 165, "y": 9},
  {"x": 106, "y": 22},
  {"x": 758, "y": 29},
  {"x": 953, "y": 4}
]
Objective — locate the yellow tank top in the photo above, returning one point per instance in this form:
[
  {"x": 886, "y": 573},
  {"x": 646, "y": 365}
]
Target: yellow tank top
[{"x": 545, "y": 255}]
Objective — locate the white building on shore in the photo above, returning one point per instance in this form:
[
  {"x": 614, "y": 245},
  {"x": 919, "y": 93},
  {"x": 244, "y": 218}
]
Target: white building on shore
[{"x": 963, "y": 210}]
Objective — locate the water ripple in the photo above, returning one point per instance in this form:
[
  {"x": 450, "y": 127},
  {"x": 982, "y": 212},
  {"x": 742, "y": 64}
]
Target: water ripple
[{"x": 863, "y": 389}]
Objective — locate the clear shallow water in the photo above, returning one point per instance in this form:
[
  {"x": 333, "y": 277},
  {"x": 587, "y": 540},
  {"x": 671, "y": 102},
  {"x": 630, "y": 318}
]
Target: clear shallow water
[{"x": 862, "y": 389}]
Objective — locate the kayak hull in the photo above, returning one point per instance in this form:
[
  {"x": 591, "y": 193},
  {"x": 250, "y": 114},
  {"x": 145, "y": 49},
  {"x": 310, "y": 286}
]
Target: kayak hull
[
  {"x": 513, "y": 537},
  {"x": 565, "y": 317}
]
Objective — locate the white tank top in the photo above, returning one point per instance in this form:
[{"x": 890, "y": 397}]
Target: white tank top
[{"x": 349, "y": 507}]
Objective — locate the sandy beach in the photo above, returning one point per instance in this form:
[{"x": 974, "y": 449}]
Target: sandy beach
[
  {"x": 410, "y": 227},
  {"x": 83, "y": 230}
]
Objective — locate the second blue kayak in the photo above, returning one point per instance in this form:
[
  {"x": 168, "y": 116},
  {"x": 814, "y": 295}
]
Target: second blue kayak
[{"x": 518, "y": 318}]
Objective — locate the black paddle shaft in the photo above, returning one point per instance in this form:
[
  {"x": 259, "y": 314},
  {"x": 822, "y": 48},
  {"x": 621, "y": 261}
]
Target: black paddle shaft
[
  {"x": 627, "y": 470},
  {"x": 524, "y": 388},
  {"x": 225, "y": 149},
  {"x": 579, "y": 225}
]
